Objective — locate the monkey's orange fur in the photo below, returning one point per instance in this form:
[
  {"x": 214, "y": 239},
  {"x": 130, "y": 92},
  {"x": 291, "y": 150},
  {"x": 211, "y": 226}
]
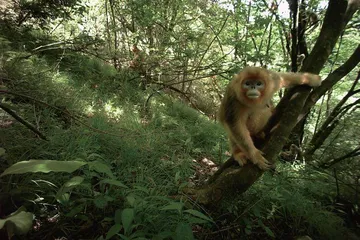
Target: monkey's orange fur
[{"x": 244, "y": 114}]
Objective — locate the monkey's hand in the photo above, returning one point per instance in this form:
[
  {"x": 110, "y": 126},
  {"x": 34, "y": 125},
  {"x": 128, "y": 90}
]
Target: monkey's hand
[
  {"x": 240, "y": 157},
  {"x": 312, "y": 80},
  {"x": 258, "y": 159}
]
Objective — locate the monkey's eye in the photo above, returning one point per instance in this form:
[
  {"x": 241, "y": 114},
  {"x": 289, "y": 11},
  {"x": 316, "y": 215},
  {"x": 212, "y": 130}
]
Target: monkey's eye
[
  {"x": 259, "y": 84},
  {"x": 247, "y": 83}
]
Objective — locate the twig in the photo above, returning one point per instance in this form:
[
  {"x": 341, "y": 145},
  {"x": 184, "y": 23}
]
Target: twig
[
  {"x": 23, "y": 121},
  {"x": 208, "y": 47}
]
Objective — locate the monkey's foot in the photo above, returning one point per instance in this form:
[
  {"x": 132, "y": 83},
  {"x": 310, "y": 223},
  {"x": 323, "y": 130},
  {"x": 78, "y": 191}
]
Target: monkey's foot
[
  {"x": 260, "y": 161},
  {"x": 241, "y": 158}
]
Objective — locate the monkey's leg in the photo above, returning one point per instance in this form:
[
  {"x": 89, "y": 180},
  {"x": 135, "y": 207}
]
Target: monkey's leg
[{"x": 238, "y": 155}]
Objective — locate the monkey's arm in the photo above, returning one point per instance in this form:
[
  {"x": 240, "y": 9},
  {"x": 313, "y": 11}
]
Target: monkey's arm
[
  {"x": 239, "y": 134},
  {"x": 293, "y": 79}
]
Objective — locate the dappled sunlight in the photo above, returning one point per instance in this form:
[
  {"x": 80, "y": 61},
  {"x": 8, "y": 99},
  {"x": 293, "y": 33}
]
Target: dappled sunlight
[
  {"x": 114, "y": 112},
  {"x": 60, "y": 78}
]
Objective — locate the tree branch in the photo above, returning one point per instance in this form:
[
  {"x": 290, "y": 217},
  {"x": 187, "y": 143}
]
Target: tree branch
[
  {"x": 332, "y": 79},
  {"x": 23, "y": 121},
  {"x": 334, "y": 24},
  {"x": 331, "y": 122},
  {"x": 353, "y": 153}
]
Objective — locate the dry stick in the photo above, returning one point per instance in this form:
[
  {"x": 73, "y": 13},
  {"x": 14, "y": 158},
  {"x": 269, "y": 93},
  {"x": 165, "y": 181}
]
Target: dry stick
[
  {"x": 346, "y": 108},
  {"x": 23, "y": 121},
  {"x": 77, "y": 119},
  {"x": 217, "y": 38},
  {"x": 268, "y": 47},
  {"x": 353, "y": 153}
]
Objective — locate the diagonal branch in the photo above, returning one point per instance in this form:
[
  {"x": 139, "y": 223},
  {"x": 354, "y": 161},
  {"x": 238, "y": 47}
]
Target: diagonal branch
[
  {"x": 22, "y": 121},
  {"x": 353, "y": 153},
  {"x": 332, "y": 79}
]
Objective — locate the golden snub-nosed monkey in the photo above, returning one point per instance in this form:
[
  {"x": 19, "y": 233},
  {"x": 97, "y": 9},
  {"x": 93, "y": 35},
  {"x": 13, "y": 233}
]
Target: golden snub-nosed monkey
[{"x": 245, "y": 108}]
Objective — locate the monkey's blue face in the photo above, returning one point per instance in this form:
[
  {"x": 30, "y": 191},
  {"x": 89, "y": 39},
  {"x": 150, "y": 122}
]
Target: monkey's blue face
[{"x": 253, "y": 88}]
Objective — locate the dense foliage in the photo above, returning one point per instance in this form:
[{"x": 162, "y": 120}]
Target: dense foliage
[{"x": 108, "y": 111}]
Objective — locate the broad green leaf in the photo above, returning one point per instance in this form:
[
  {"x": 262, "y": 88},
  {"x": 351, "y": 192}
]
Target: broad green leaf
[
  {"x": 183, "y": 232},
  {"x": 63, "y": 199},
  {"x": 113, "y": 230},
  {"x": 139, "y": 234},
  {"x": 76, "y": 210},
  {"x": 269, "y": 232},
  {"x": 82, "y": 217},
  {"x": 44, "y": 166},
  {"x": 198, "y": 214},
  {"x": 177, "y": 177},
  {"x": 127, "y": 217},
  {"x": 101, "y": 168},
  {"x": 118, "y": 216},
  {"x": 164, "y": 235},
  {"x": 131, "y": 200},
  {"x": 256, "y": 212},
  {"x": 77, "y": 180},
  {"x": 174, "y": 206},
  {"x": 22, "y": 221},
  {"x": 101, "y": 201},
  {"x": 195, "y": 220},
  {"x": 143, "y": 189},
  {"x": 113, "y": 182},
  {"x": 73, "y": 182},
  {"x": 123, "y": 237},
  {"x": 2, "y": 152},
  {"x": 94, "y": 157}
]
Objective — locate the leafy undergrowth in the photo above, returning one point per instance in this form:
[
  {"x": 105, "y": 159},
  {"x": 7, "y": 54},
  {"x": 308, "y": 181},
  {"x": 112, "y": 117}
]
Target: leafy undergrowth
[{"x": 136, "y": 152}]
